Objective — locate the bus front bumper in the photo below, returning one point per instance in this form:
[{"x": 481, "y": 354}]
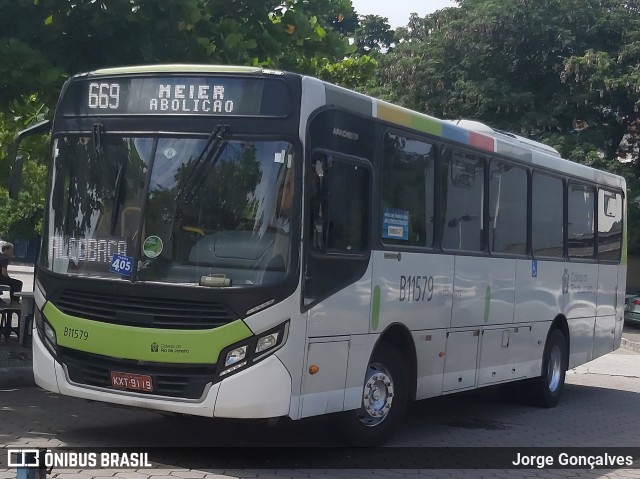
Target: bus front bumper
[{"x": 261, "y": 391}]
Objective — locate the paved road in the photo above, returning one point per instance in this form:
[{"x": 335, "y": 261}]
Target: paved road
[
  {"x": 599, "y": 409},
  {"x": 632, "y": 333}
]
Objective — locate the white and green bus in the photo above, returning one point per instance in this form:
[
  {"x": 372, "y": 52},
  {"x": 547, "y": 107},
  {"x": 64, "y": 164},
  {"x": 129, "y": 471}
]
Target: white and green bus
[{"x": 244, "y": 243}]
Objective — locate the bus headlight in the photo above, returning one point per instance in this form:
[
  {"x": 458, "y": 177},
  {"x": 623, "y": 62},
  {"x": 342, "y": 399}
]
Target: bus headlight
[
  {"x": 252, "y": 349},
  {"x": 46, "y": 331},
  {"x": 50, "y": 334},
  {"x": 235, "y": 355},
  {"x": 267, "y": 342}
]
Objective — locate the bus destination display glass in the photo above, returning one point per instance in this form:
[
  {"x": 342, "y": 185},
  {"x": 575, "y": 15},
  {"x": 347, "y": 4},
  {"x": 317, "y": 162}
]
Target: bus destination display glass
[{"x": 205, "y": 96}]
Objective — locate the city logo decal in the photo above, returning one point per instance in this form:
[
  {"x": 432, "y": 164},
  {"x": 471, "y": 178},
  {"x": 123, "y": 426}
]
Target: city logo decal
[{"x": 154, "y": 347}]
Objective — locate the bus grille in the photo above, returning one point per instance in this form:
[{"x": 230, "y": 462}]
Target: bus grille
[
  {"x": 143, "y": 312},
  {"x": 172, "y": 380}
]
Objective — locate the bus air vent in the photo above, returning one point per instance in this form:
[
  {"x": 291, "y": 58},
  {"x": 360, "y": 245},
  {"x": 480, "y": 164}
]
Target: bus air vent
[{"x": 143, "y": 311}]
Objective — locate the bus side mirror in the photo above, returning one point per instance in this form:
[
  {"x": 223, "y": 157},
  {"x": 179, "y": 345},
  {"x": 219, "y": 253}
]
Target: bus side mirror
[
  {"x": 17, "y": 161},
  {"x": 15, "y": 180}
]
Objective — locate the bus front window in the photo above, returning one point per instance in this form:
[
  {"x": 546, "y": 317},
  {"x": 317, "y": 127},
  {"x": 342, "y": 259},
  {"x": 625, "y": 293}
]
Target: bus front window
[
  {"x": 94, "y": 203},
  {"x": 217, "y": 212},
  {"x": 220, "y": 219}
]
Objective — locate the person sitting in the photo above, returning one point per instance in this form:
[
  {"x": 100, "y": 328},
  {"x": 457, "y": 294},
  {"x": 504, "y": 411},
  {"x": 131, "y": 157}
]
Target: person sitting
[{"x": 15, "y": 285}]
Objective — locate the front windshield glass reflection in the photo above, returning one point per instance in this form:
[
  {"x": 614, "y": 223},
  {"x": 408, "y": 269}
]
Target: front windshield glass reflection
[
  {"x": 222, "y": 220},
  {"x": 94, "y": 203},
  {"x": 216, "y": 214}
]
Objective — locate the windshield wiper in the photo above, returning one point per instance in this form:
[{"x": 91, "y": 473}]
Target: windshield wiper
[
  {"x": 203, "y": 164},
  {"x": 117, "y": 189},
  {"x": 96, "y": 136}
]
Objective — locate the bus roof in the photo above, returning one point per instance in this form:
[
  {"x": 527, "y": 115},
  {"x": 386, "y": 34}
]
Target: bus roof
[{"x": 176, "y": 68}]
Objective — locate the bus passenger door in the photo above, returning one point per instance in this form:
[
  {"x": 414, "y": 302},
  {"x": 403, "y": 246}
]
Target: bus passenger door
[
  {"x": 611, "y": 275},
  {"x": 337, "y": 281}
]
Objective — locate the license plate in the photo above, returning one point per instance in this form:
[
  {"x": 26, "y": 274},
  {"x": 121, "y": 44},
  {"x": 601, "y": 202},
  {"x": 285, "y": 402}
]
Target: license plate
[{"x": 138, "y": 382}]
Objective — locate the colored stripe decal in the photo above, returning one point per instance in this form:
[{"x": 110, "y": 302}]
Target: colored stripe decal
[
  {"x": 487, "y": 303},
  {"x": 145, "y": 344},
  {"x": 375, "y": 309},
  {"x": 403, "y": 117},
  {"x": 481, "y": 141},
  {"x": 455, "y": 133}
]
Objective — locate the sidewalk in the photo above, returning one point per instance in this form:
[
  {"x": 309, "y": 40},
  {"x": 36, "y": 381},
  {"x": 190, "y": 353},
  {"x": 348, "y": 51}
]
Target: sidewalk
[{"x": 16, "y": 369}]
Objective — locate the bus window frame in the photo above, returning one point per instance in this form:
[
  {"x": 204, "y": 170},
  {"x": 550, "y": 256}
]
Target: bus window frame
[
  {"x": 528, "y": 213},
  {"x": 564, "y": 180},
  {"x": 613, "y": 191},
  {"x": 594, "y": 190},
  {"x": 308, "y": 252},
  {"x": 363, "y": 162},
  {"x": 485, "y": 160},
  {"x": 436, "y": 145}
]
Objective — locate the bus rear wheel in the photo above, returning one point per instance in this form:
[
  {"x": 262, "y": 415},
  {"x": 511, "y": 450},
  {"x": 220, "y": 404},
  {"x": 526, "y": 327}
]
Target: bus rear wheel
[
  {"x": 546, "y": 390},
  {"x": 384, "y": 400}
]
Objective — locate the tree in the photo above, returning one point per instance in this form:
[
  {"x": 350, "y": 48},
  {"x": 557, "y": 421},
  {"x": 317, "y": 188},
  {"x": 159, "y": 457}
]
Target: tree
[
  {"x": 564, "y": 72},
  {"x": 43, "y": 42},
  {"x": 373, "y": 35}
]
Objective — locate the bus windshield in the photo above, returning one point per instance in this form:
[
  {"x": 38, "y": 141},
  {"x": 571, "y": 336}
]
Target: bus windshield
[{"x": 195, "y": 211}]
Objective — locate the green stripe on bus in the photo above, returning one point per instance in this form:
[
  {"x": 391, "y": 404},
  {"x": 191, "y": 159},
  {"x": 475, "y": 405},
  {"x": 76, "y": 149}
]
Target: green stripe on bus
[
  {"x": 375, "y": 308},
  {"x": 144, "y": 344},
  {"x": 427, "y": 125},
  {"x": 487, "y": 303},
  {"x": 411, "y": 119},
  {"x": 176, "y": 68}
]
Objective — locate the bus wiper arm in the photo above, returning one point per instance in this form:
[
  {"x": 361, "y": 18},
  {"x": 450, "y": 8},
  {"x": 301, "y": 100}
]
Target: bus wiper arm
[
  {"x": 96, "y": 136},
  {"x": 117, "y": 189},
  {"x": 207, "y": 159}
]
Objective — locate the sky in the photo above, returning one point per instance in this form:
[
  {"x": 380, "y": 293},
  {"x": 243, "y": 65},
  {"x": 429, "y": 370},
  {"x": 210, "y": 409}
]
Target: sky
[{"x": 398, "y": 11}]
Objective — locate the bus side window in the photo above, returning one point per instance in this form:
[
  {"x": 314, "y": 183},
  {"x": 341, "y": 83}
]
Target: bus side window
[
  {"x": 337, "y": 201},
  {"x": 338, "y": 212},
  {"x": 317, "y": 203},
  {"x": 609, "y": 225}
]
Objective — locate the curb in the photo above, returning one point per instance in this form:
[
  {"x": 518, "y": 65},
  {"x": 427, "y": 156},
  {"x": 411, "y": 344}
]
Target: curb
[
  {"x": 21, "y": 376},
  {"x": 631, "y": 345}
]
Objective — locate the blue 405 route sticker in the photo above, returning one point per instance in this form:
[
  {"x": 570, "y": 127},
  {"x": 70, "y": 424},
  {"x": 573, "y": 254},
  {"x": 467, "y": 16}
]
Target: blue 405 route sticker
[{"x": 121, "y": 264}]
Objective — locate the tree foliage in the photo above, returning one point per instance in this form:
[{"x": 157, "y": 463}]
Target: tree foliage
[
  {"x": 565, "y": 72},
  {"x": 373, "y": 35},
  {"x": 43, "y": 42}
]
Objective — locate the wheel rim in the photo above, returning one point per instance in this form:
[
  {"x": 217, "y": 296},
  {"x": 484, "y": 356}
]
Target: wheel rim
[
  {"x": 554, "y": 372},
  {"x": 377, "y": 396}
]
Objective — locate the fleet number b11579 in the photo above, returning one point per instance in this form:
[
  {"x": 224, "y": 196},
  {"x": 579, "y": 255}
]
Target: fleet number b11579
[{"x": 416, "y": 288}]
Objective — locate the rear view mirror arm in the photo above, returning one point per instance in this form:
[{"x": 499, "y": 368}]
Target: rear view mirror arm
[{"x": 17, "y": 161}]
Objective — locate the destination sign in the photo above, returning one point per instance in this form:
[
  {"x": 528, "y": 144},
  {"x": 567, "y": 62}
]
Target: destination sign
[{"x": 177, "y": 95}]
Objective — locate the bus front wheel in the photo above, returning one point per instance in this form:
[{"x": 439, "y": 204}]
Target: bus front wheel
[
  {"x": 546, "y": 390},
  {"x": 384, "y": 400}
]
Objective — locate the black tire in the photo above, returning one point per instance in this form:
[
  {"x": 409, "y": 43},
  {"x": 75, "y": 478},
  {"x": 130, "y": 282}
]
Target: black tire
[
  {"x": 545, "y": 391},
  {"x": 376, "y": 420}
]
